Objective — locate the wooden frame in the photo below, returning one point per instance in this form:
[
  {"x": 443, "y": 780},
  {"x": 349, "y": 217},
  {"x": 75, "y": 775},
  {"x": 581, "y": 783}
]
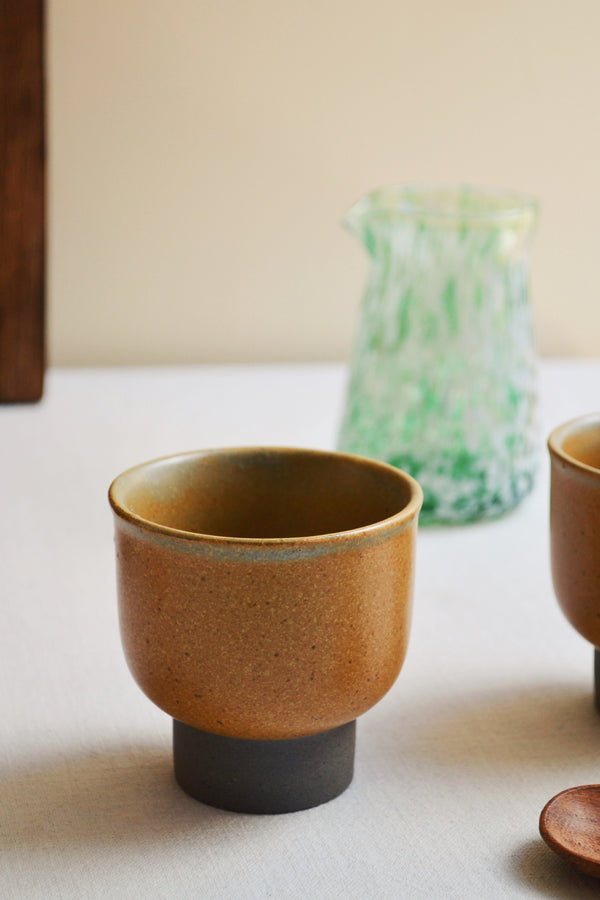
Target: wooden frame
[{"x": 22, "y": 200}]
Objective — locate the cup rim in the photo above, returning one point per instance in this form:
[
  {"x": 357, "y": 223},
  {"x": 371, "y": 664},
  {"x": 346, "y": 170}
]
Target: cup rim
[
  {"x": 562, "y": 432},
  {"x": 401, "y": 518}
]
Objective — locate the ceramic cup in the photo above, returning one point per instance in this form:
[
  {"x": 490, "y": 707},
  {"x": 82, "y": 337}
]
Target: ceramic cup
[
  {"x": 575, "y": 527},
  {"x": 265, "y": 601}
]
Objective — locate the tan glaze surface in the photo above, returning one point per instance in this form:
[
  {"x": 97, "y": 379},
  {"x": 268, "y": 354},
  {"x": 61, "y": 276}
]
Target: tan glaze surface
[
  {"x": 570, "y": 825},
  {"x": 265, "y": 593},
  {"x": 575, "y": 523}
]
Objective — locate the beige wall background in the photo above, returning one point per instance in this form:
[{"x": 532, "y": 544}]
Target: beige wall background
[{"x": 202, "y": 155}]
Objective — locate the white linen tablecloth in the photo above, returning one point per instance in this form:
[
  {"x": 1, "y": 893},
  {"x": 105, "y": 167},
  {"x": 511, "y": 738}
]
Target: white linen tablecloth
[{"x": 490, "y": 717}]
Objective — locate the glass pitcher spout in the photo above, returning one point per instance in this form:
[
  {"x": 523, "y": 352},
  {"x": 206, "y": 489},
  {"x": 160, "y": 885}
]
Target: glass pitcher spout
[{"x": 443, "y": 375}]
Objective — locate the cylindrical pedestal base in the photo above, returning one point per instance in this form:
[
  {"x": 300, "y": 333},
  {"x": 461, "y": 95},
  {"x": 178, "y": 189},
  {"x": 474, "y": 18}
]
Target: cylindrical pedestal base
[
  {"x": 597, "y": 678},
  {"x": 253, "y": 776}
]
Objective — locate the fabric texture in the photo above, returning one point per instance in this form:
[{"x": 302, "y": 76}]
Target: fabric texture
[{"x": 491, "y": 716}]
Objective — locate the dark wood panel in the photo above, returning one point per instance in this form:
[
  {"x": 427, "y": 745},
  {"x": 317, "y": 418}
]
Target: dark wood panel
[{"x": 22, "y": 200}]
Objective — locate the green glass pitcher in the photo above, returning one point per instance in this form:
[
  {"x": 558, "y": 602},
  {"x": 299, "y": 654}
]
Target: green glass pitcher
[{"x": 443, "y": 380}]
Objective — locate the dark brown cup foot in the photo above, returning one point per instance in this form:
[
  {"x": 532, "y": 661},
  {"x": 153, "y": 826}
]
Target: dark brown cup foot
[{"x": 253, "y": 776}]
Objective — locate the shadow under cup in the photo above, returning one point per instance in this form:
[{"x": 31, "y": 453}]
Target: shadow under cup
[
  {"x": 575, "y": 526},
  {"x": 265, "y": 598}
]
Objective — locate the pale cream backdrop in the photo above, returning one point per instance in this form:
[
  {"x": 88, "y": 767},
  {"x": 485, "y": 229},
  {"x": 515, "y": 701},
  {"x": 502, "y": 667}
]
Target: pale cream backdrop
[{"x": 202, "y": 155}]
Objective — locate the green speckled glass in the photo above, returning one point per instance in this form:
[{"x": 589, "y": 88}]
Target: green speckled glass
[{"x": 443, "y": 376}]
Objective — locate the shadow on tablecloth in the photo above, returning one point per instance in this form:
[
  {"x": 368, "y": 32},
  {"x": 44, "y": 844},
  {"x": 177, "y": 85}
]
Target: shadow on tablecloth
[
  {"x": 550, "y": 876},
  {"x": 534, "y": 727},
  {"x": 111, "y": 797},
  {"x": 494, "y": 753}
]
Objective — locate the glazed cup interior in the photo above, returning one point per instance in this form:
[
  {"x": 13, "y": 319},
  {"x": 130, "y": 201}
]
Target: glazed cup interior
[
  {"x": 263, "y": 493},
  {"x": 578, "y": 443}
]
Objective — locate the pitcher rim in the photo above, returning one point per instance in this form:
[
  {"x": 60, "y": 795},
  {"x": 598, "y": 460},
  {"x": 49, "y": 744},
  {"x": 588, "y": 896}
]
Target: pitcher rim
[{"x": 504, "y": 205}]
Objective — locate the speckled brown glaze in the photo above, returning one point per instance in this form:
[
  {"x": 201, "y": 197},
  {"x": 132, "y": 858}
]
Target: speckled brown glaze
[
  {"x": 575, "y": 522},
  {"x": 265, "y": 593}
]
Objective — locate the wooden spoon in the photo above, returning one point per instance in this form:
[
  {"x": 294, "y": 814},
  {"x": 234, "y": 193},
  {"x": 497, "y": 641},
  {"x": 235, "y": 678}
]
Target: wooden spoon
[{"x": 570, "y": 825}]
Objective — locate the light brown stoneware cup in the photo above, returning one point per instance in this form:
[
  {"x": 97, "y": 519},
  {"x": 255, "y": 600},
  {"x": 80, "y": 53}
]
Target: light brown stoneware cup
[
  {"x": 265, "y": 601},
  {"x": 575, "y": 526}
]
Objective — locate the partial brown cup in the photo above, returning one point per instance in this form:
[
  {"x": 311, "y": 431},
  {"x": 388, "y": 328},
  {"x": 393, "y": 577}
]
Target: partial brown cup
[
  {"x": 575, "y": 526},
  {"x": 265, "y": 597}
]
